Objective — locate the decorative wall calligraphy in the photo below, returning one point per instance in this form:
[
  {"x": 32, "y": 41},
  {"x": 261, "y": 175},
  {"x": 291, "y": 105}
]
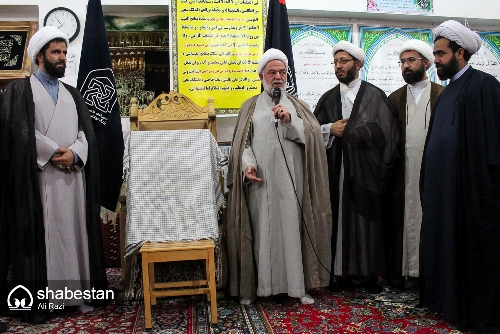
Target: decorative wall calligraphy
[
  {"x": 14, "y": 38},
  {"x": 217, "y": 46},
  {"x": 487, "y": 59},
  {"x": 312, "y": 54},
  {"x": 401, "y": 6},
  {"x": 381, "y": 46},
  {"x": 12, "y": 44}
]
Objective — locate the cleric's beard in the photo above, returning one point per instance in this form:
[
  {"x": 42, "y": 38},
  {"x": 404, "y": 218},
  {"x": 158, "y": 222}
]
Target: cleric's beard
[
  {"x": 268, "y": 88},
  {"x": 414, "y": 76},
  {"x": 52, "y": 69},
  {"x": 350, "y": 75},
  {"x": 448, "y": 70}
]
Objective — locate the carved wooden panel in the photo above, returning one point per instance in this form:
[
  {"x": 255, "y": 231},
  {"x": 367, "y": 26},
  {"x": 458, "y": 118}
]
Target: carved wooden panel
[
  {"x": 172, "y": 106},
  {"x": 173, "y": 111}
]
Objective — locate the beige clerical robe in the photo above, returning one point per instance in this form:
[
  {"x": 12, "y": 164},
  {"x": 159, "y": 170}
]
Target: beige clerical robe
[
  {"x": 395, "y": 236},
  {"x": 315, "y": 243},
  {"x": 274, "y": 206},
  {"x": 417, "y": 123},
  {"x": 63, "y": 195}
]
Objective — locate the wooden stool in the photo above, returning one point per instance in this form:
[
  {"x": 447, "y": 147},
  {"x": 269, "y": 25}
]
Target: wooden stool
[{"x": 178, "y": 251}]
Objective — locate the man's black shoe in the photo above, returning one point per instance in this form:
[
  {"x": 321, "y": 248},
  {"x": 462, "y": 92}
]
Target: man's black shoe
[
  {"x": 335, "y": 287},
  {"x": 340, "y": 284},
  {"x": 397, "y": 283},
  {"x": 411, "y": 283},
  {"x": 372, "y": 286}
]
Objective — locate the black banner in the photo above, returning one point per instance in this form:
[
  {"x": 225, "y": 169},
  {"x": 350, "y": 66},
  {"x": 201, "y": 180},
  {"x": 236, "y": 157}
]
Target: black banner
[
  {"x": 96, "y": 82},
  {"x": 278, "y": 37}
]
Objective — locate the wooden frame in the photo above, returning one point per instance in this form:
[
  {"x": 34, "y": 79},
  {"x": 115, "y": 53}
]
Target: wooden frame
[
  {"x": 173, "y": 111},
  {"x": 14, "y": 39}
]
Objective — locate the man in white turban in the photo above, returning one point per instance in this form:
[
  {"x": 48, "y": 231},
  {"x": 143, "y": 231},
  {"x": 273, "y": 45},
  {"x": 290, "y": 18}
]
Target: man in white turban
[
  {"x": 353, "y": 50},
  {"x": 412, "y": 105},
  {"x": 460, "y": 189},
  {"x": 50, "y": 183},
  {"x": 361, "y": 136},
  {"x": 279, "y": 220},
  {"x": 40, "y": 40},
  {"x": 456, "y": 32}
]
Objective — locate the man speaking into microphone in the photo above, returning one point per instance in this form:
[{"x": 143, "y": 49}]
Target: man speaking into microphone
[{"x": 279, "y": 216}]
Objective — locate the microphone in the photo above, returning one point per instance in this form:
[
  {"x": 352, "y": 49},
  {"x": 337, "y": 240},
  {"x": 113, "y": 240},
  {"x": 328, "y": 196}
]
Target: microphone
[{"x": 277, "y": 97}]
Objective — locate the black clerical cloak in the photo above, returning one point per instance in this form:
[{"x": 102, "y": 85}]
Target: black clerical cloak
[
  {"x": 460, "y": 192},
  {"x": 369, "y": 149},
  {"x": 21, "y": 210}
]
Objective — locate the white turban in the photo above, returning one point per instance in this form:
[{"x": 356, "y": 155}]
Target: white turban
[
  {"x": 417, "y": 45},
  {"x": 271, "y": 54},
  {"x": 458, "y": 33},
  {"x": 42, "y": 37},
  {"x": 350, "y": 48}
]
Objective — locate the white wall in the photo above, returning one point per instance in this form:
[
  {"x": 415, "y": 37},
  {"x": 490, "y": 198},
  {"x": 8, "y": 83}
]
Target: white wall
[
  {"x": 480, "y": 15},
  {"x": 479, "y": 9}
]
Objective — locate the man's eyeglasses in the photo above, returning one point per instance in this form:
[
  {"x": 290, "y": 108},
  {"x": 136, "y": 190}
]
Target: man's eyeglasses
[
  {"x": 342, "y": 61},
  {"x": 410, "y": 61}
]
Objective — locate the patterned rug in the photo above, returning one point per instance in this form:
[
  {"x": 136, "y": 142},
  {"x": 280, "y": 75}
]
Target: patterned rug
[
  {"x": 353, "y": 311},
  {"x": 110, "y": 229}
]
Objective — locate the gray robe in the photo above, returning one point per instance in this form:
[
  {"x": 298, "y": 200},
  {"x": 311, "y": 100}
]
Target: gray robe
[
  {"x": 315, "y": 240},
  {"x": 274, "y": 209},
  {"x": 63, "y": 195},
  {"x": 21, "y": 214}
]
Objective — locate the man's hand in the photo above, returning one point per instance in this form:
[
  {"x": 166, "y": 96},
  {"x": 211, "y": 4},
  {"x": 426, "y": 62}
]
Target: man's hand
[
  {"x": 281, "y": 112},
  {"x": 338, "y": 127},
  {"x": 63, "y": 160},
  {"x": 251, "y": 174}
]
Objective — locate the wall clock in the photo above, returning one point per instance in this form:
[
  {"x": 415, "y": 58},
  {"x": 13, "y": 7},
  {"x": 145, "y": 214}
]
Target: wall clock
[{"x": 65, "y": 20}]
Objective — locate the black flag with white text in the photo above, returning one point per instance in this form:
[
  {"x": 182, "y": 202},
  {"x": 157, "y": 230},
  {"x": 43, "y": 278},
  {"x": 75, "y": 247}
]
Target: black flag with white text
[
  {"x": 96, "y": 82},
  {"x": 278, "y": 37}
]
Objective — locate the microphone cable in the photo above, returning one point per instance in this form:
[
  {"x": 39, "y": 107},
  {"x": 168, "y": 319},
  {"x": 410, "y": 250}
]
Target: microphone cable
[{"x": 298, "y": 201}]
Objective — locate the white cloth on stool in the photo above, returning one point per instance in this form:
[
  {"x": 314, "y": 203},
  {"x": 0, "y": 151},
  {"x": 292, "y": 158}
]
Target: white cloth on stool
[{"x": 173, "y": 187}]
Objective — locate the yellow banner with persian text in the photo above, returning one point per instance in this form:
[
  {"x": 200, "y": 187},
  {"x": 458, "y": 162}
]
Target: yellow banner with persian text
[{"x": 218, "y": 45}]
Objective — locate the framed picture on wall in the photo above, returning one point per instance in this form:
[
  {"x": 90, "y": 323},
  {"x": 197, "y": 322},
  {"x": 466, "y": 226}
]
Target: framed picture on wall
[
  {"x": 138, "y": 47},
  {"x": 14, "y": 38}
]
